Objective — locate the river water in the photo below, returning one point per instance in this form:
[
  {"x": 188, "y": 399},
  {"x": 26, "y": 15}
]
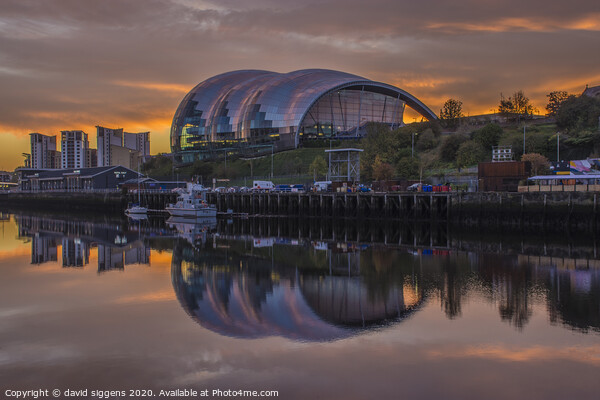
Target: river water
[{"x": 312, "y": 309}]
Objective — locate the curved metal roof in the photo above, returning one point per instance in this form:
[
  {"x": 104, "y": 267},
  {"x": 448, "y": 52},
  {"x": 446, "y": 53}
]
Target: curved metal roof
[{"x": 238, "y": 101}]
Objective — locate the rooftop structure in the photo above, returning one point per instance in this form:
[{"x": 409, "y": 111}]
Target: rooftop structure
[
  {"x": 344, "y": 165},
  {"x": 593, "y": 91},
  {"x": 250, "y": 110}
]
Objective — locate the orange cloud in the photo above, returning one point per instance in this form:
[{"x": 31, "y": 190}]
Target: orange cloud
[
  {"x": 163, "y": 87},
  {"x": 589, "y": 23},
  {"x": 165, "y": 295},
  {"x": 581, "y": 354}
]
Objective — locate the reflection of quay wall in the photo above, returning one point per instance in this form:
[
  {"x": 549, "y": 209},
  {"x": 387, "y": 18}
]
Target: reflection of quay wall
[
  {"x": 388, "y": 233},
  {"x": 561, "y": 263}
]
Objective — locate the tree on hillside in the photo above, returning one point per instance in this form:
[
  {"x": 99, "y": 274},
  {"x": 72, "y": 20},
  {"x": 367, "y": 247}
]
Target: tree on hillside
[
  {"x": 488, "y": 136},
  {"x": 578, "y": 113},
  {"x": 555, "y": 99},
  {"x": 451, "y": 112},
  {"x": 450, "y": 146},
  {"x": 426, "y": 140},
  {"x": 318, "y": 167},
  {"x": 407, "y": 168},
  {"x": 469, "y": 153},
  {"x": 381, "y": 170},
  {"x": 518, "y": 103},
  {"x": 539, "y": 164}
]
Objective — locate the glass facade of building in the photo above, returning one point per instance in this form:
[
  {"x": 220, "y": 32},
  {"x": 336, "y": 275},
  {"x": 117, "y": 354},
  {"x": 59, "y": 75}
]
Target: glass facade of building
[{"x": 250, "y": 110}]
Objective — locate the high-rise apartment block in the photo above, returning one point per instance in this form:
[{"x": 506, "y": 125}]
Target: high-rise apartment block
[
  {"x": 43, "y": 152},
  {"x": 107, "y": 138},
  {"x": 116, "y": 147},
  {"x": 91, "y": 158},
  {"x": 74, "y": 146},
  {"x": 139, "y": 142}
]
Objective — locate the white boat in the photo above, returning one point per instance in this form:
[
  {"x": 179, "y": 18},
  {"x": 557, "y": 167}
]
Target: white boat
[{"x": 191, "y": 203}]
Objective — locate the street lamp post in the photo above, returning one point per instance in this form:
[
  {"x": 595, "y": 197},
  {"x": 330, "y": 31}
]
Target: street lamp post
[
  {"x": 271, "y": 162},
  {"x": 524, "y": 139},
  {"x": 557, "y": 146},
  {"x": 412, "y": 146}
]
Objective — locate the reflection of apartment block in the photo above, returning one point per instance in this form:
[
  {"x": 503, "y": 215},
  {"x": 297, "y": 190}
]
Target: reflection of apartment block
[
  {"x": 137, "y": 255},
  {"x": 116, "y": 147},
  {"x": 111, "y": 258},
  {"x": 43, "y": 151},
  {"x": 43, "y": 249},
  {"x": 75, "y": 253},
  {"x": 74, "y": 145}
]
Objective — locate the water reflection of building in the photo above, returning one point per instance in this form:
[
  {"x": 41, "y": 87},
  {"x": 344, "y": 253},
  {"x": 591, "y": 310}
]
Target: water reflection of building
[
  {"x": 75, "y": 252},
  {"x": 116, "y": 258},
  {"x": 43, "y": 249},
  {"x": 117, "y": 245},
  {"x": 235, "y": 294}
]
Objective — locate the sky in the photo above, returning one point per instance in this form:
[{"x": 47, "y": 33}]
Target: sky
[{"x": 75, "y": 64}]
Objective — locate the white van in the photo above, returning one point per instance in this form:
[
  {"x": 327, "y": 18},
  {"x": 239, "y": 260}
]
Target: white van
[
  {"x": 322, "y": 186},
  {"x": 263, "y": 185}
]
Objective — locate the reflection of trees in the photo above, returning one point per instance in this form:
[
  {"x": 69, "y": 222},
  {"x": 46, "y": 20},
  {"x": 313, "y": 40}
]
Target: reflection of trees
[
  {"x": 514, "y": 303},
  {"x": 451, "y": 291},
  {"x": 511, "y": 286},
  {"x": 574, "y": 298}
]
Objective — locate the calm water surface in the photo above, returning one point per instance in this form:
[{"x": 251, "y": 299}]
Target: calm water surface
[{"x": 310, "y": 309}]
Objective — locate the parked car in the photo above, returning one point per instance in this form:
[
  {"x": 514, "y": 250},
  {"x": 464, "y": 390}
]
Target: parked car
[
  {"x": 414, "y": 187},
  {"x": 282, "y": 188}
]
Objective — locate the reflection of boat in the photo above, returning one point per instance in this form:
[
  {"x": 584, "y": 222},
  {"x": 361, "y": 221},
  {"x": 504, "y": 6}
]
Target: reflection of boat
[
  {"x": 136, "y": 211},
  {"x": 191, "y": 202},
  {"x": 137, "y": 216},
  {"x": 195, "y": 231}
]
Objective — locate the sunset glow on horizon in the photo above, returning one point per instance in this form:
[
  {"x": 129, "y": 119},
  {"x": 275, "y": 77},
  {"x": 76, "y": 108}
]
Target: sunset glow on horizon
[{"x": 67, "y": 64}]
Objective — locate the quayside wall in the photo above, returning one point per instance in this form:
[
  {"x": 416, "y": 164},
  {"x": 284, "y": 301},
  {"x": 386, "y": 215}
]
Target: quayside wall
[
  {"x": 549, "y": 211},
  {"x": 109, "y": 202}
]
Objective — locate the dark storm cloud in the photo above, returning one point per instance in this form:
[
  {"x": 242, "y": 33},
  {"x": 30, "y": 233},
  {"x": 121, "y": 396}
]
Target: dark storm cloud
[{"x": 68, "y": 64}]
